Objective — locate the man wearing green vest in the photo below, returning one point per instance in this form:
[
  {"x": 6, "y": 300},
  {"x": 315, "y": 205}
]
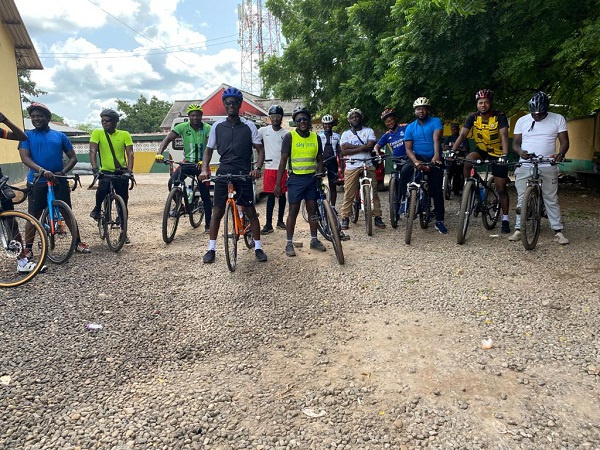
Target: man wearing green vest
[{"x": 304, "y": 151}]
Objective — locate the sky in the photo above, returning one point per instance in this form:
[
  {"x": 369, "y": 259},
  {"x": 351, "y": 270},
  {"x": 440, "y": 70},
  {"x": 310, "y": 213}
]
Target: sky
[{"x": 97, "y": 51}]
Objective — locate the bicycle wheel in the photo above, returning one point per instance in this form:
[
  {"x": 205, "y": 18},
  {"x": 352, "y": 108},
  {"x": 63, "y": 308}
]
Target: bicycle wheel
[
  {"x": 425, "y": 209},
  {"x": 13, "y": 235},
  {"x": 230, "y": 237},
  {"x": 100, "y": 222},
  {"x": 368, "y": 209},
  {"x": 467, "y": 204},
  {"x": 248, "y": 238},
  {"x": 394, "y": 202},
  {"x": 411, "y": 212},
  {"x": 62, "y": 232},
  {"x": 333, "y": 232},
  {"x": 355, "y": 207},
  {"x": 490, "y": 209},
  {"x": 322, "y": 224},
  {"x": 171, "y": 214},
  {"x": 530, "y": 218},
  {"x": 447, "y": 185},
  {"x": 197, "y": 208},
  {"x": 115, "y": 223}
]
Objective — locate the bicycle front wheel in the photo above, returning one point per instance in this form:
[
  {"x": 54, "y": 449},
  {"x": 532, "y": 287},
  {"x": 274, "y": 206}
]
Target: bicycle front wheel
[
  {"x": 368, "y": 209},
  {"x": 394, "y": 201},
  {"x": 447, "y": 185},
  {"x": 62, "y": 232},
  {"x": 530, "y": 217},
  {"x": 17, "y": 228},
  {"x": 355, "y": 207},
  {"x": 425, "y": 209},
  {"x": 411, "y": 212},
  {"x": 490, "y": 209},
  {"x": 115, "y": 223},
  {"x": 333, "y": 232},
  {"x": 171, "y": 214},
  {"x": 466, "y": 208},
  {"x": 230, "y": 237},
  {"x": 197, "y": 208}
]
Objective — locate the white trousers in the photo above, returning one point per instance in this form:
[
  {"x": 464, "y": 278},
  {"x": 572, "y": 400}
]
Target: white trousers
[{"x": 549, "y": 179}]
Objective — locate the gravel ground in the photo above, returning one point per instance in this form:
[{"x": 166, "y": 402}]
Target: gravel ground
[{"x": 383, "y": 352}]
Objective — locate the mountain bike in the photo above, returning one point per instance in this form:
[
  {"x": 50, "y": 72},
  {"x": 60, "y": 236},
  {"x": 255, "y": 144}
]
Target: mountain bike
[
  {"x": 303, "y": 210},
  {"x": 479, "y": 196},
  {"x": 16, "y": 228},
  {"x": 59, "y": 222},
  {"x": 418, "y": 200},
  {"x": 182, "y": 200},
  {"x": 395, "y": 198},
  {"x": 112, "y": 225},
  {"x": 452, "y": 165}
]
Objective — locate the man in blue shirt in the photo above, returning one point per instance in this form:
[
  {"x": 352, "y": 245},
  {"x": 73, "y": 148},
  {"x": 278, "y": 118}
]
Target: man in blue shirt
[{"x": 422, "y": 140}]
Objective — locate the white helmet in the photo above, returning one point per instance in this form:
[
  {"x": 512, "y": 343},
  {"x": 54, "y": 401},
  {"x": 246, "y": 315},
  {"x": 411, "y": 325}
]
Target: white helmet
[
  {"x": 354, "y": 111},
  {"x": 327, "y": 118},
  {"x": 421, "y": 101}
]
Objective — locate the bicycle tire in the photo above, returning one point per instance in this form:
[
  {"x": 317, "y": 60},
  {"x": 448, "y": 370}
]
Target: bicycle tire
[
  {"x": 447, "y": 185},
  {"x": 321, "y": 222},
  {"x": 230, "y": 237},
  {"x": 424, "y": 209},
  {"x": 115, "y": 223},
  {"x": 530, "y": 218},
  {"x": 248, "y": 238},
  {"x": 466, "y": 208},
  {"x": 63, "y": 240},
  {"x": 410, "y": 215},
  {"x": 394, "y": 202},
  {"x": 171, "y": 214},
  {"x": 304, "y": 211},
  {"x": 12, "y": 224},
  {"x": 196, "y": 208},
  {"x": 355, "y": 207},
  {"x": 368, "y": 209},
  {"x": 334, "y": 232},
  {"x": 490, "y": 209},
  {"x": 100, "y": 222}
]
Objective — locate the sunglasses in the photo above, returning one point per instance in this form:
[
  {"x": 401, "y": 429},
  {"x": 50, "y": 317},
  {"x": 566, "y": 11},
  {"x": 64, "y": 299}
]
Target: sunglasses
[
  {"x": 231, "y": 102},
  {"x": 106, "y": 121},
  {"x": 301, "y": 119}
]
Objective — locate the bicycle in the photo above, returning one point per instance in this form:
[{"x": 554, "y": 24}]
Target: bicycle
[
  {"x": 112, "y": 225},
  {"x": 14, "y": 227},
  {"x": 182, "y": 200},
  {"x": 303, "y": 210},
  {"x": 418, "y": 200},
  {"x": 452, "y": 163},
  {"x": 59, "y": 222},
  {"x": 395, "y": 198},
  {"x": 363, "y": 199},
  {"x": 479, "y": 196}
]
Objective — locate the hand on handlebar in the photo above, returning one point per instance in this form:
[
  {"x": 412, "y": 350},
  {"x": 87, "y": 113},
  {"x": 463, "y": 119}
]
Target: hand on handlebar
[
  {"x": 526, "y": 155},
  {"x": 255, "y": 173},
  {"x": 204, "y": 175},
  {"x": 159, "y": 158}
]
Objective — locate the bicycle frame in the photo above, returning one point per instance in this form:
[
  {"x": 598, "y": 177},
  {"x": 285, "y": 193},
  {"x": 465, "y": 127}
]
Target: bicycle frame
[{"x": 239, "y": 227}]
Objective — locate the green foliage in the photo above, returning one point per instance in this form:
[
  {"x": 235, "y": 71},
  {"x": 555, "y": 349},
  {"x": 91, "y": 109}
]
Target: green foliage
[
  {"x": 87, "y": 127},
  {"x": 142, "y": 116},
  {"x": 27, "y": 87}
]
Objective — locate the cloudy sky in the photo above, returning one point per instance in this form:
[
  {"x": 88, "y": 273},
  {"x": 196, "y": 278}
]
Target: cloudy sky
[{"x": 95, "y": 51}]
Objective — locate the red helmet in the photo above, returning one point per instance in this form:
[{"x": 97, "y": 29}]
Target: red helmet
[
  {"x": 40, "y": 106},
  {"x": 484, "y": 93}
]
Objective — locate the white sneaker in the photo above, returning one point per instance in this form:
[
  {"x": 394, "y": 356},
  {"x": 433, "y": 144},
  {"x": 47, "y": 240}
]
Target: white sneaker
[
  {"x": 560, "y": 238},
  {"x": 516, "y": 236},
  {"x": 27, "y": 268}
]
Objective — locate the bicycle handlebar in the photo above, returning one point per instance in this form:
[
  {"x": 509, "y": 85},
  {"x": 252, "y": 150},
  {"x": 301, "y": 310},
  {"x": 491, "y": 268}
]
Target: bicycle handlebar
[
  {"x": 74, "y": 177},
  {"x": 98, "y": 176},
  {"x": 352, "y": 160}
]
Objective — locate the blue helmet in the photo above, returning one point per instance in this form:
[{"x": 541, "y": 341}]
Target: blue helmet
[{"x": 232, "y": 92}]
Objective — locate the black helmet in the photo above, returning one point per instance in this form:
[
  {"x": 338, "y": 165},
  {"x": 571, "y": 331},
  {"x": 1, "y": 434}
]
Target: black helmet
[
  {"x": 300, "y": 109},
  {"x": 484, "y": 93},
  {"x": 539, "y": 103},
  {"x": 276, "y": 109},
  {"x": 110, "y": 113}
]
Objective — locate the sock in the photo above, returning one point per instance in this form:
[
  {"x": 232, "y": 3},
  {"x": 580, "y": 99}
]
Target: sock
[
  {"x": 290, "y": 240},
  {"x": 281, "y": 210},
  {"x": 270, "y": 208},
  {"x": 504, "y": 216},
  {"x": 313, "y": 237},
  {"x": 257, "y": 245},
  {"x": 212, "y": 244}
]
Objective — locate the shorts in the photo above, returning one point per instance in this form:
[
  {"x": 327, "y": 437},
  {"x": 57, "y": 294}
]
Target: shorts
[
  {"x": 332, "y": 170},
  {"x": 244, "y": 192},
  {"x": 38, "y": 197},
  {"x": 302, "y": 187},
  {"x": 270, "y": 179},
  {"x": 498, "y": 170}
]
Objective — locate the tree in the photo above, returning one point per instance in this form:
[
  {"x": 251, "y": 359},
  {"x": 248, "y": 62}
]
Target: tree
[
  {"x": 27, "y": 87},
  {"x": 142, "y": 116},
  {"x": 87, "y": 127}
]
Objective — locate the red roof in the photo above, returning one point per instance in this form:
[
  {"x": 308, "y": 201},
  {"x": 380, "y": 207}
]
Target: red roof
[{"x": 213, "y": 106}]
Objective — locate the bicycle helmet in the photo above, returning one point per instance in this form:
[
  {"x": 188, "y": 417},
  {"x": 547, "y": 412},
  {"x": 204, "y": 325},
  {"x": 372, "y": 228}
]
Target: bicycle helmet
[
  {"x": 39, "y": 106},
  {"x": 421, "y": 101},
  {"x": 539, "y": 103},
  {"x": 327, "y": 118},
  {"x": 110, "y": 113},
  {"x": 484, "y": 93},
  {"x": 387, "y": 112},
  {"x": 193, "y": 107},
  {"x": 232, "y": 92},
  {"x": 300, "y": 109},
  {"x": 276, "y": 109},
  {"x": 354, "y": 111}
]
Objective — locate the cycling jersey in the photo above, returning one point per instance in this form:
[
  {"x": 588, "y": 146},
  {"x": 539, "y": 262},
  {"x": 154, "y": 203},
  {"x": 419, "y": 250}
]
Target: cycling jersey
[
  {"x": 120, "y": 139},
  {"x": 395, "y": 139},
  {"x": 486, "y": 134},
  {"x": 194, "y": 141},
  {"x": 330, "y": 149}
]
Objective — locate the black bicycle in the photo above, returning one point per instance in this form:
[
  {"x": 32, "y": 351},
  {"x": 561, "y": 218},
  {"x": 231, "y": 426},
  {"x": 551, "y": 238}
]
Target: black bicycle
[
  {"x": 453, "y": 166},
  {"x": 418, "y": 200},
  {"x": 395, "y": 198}
]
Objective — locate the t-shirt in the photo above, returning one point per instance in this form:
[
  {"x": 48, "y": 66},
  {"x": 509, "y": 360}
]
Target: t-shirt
[
  {"x": 395, "y": 139},
  {"x": 352, "y": 137},
  {"x": 272, "y": 141},
  {"x": 422, "y": 135},
  {"x": 194, "y": 141},
  {"x": 540, "y": 137},
  {"x": 46, "y": 148},
  {"x": 119, "y": 139},
  {"x": 234, "y": 143}
]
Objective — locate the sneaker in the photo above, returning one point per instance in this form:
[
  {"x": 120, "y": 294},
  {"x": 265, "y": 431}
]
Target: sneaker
[
  {"x": 560, "y": 238},
  {"x": 260, "y": 255},
  {"x": 516, "y": 236},
  {"x": 209, "y": 257},
  {"x": 379, "y": 222},
  {"x": 505, "y": 227},
  {"x": 266, "y": 229},
  {"x": 289, "y": 249},
  {"x": 95, "y": 214},
  {"x": 439, "y": 225},
  {"x": 345, "y": 223},
  {"x": 344, "y": 236},
  {"x": 27, "y": 268},
  {"x": 281, "y": 225},
  {"x": 82, "y": 247},
  {"x": 316, "y": 244}
]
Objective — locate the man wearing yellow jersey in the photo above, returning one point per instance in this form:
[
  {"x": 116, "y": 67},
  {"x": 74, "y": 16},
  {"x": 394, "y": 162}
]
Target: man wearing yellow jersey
[
  {"x": 303, "y": 150},
  {"x": 490, "y": 132}
]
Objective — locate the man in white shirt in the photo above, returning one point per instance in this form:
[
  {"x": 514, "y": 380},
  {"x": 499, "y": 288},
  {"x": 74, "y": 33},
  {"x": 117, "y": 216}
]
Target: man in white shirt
[{"x": 536, "y": 133}]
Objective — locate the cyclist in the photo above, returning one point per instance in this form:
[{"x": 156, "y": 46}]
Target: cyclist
[
  {"x": 536, "y": 133},
  {"x": 233, "y": 137},
  {"x": 42, "y": 152},
  {"x": 272, "y": 136},
  {"x": 303, "y": 149},
  {"x": 115, "y": 150},
  {"x": 330, "y": 141},
  {"x": 194, "y": 134},
  {"x": 394, "y": 137},
  {"x": 491, "y": 137},
  {"x": 422, "y": 140},
  {"x": 358, "y": 142},
  {"x": 456, "y": 174}
]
